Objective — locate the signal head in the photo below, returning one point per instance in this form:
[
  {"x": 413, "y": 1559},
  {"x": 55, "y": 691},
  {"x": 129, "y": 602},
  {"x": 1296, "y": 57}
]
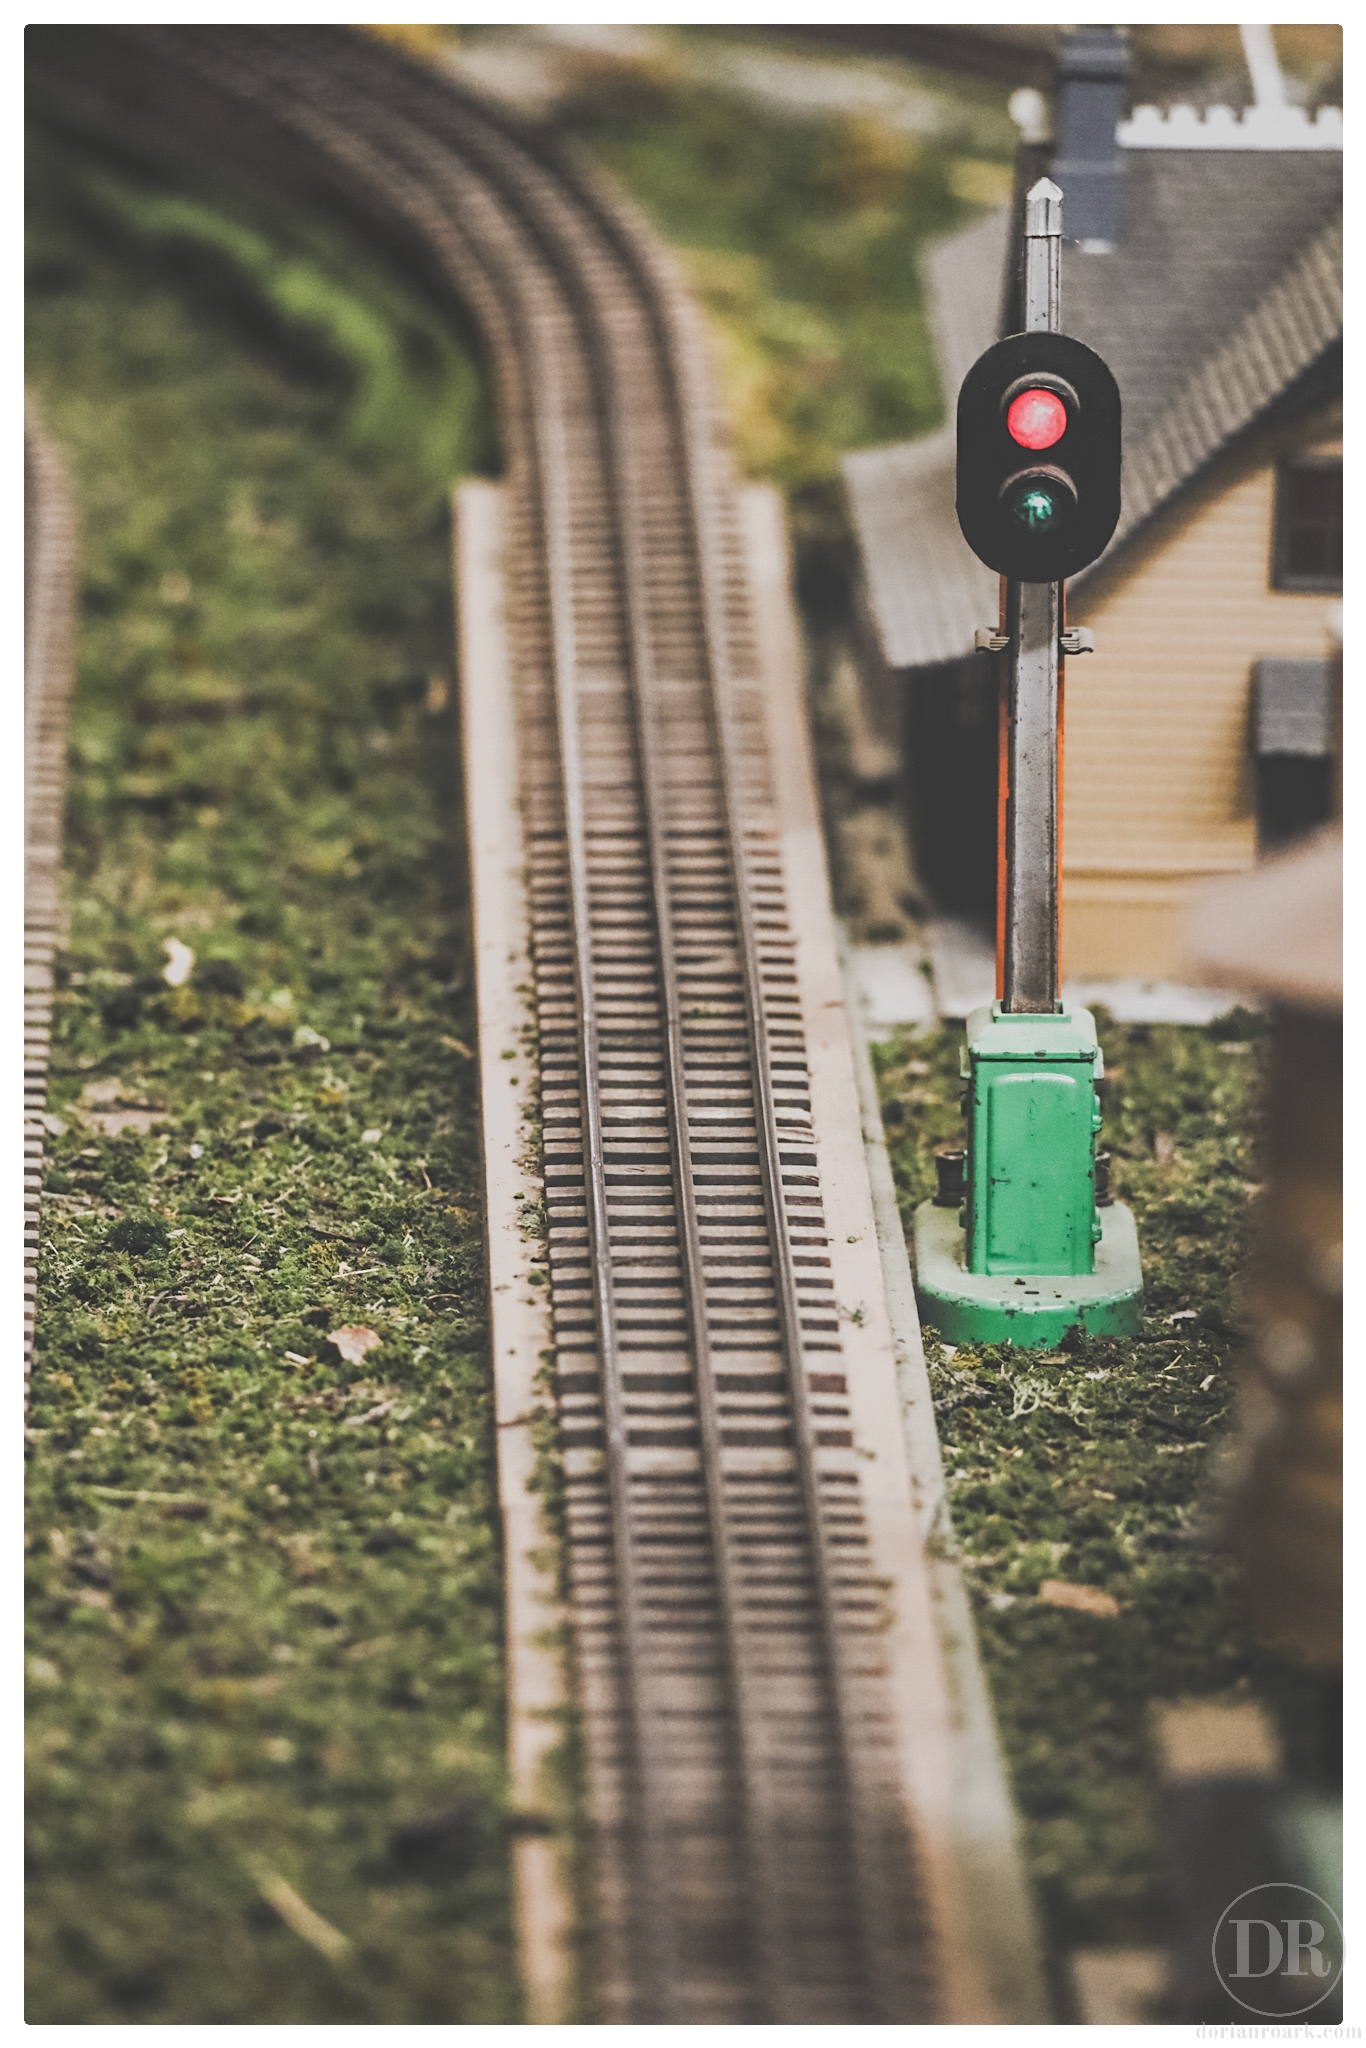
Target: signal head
[{"x": 1044, "y": 396}]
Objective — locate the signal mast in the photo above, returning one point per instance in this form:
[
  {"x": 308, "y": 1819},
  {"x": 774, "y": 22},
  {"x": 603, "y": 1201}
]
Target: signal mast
[{"x": 1036, "y": 1247}]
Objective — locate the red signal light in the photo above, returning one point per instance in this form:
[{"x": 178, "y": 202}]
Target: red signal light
[{"x": 1037, "y": 419}]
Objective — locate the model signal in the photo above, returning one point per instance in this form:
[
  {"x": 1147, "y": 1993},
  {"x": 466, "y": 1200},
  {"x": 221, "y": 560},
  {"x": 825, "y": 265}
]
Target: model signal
[{"x": 1038, "y": 457}]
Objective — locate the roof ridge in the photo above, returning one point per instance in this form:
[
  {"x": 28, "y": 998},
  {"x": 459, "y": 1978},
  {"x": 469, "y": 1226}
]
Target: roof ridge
[
  {"x": 1290, "y": 325},
  {"x": 1281, "y": 126}
]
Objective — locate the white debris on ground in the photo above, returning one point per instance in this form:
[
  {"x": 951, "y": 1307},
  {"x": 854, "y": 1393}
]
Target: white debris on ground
[
  {"x": 963, "y": 960},
  {"x": 179, "y": 961},
  {"x": 952, "y": 971},
  {"x": 888, "y": 986},
  {"x": 1155, "y": 1002}
]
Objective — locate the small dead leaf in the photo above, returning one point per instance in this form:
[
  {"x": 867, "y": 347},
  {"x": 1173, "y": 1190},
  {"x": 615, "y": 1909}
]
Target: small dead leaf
[
  {"x": 1099, "y": 1493},
  {"x": 353, "y": 1340},
  {"x": 1084, "y": 1599},
  {"x": 371, "y": 1137},
  {"x": 1163, "y": 1148},
  {"x": 1182, "y": 1315},
  {"x": 458, "y": 1045},
  {"x": 179, "y": 962}
]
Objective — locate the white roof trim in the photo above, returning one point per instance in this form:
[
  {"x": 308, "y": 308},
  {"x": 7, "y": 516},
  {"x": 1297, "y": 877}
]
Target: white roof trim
[{"x": 1261, "y": 127}]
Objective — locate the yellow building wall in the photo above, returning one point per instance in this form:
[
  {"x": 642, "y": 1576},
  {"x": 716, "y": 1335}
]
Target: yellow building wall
[{"x": 1158, "y": 792}]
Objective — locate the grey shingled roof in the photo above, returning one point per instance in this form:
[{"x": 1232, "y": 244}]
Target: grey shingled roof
[
  {"x": 927, "y": 591},
  {"x": 965, "y": 274},
  {"x": 1277, "y": 339},
  {"x": 1226, "y": 284}
]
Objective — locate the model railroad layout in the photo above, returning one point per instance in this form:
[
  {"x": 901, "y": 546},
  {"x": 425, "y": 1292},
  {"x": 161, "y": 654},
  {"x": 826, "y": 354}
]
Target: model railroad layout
[{"x": 780, "y": 1740}]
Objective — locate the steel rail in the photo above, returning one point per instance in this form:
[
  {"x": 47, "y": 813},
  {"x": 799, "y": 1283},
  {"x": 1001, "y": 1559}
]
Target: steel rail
[
  {"x": 759, "y": 1831},
  {"x": 880, "y": 1938},
  {"x": 645, "y": 1837}
]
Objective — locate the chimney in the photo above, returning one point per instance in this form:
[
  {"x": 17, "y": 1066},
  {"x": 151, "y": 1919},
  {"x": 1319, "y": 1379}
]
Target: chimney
[{"x": 1092, "y": 73}]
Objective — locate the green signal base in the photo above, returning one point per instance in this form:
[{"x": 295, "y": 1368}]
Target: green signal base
[
  {"x": 1032, "y": 1310},
  {"x": 1029, "y": 1255}
]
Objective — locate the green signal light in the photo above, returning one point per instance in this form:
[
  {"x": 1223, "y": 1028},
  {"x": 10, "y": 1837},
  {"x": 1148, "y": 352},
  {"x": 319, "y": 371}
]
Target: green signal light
[{"x": 1037, "y": 510}]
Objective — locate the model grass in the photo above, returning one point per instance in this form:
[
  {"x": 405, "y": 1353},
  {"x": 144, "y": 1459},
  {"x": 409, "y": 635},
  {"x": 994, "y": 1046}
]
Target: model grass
[{"x": 265, "y": 1727}]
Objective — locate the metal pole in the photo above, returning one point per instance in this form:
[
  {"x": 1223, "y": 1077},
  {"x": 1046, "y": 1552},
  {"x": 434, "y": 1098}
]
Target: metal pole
[{"x": 1033, "y": 621}]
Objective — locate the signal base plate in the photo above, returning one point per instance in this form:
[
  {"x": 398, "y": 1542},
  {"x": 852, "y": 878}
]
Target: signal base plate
[{"x": 1033, "y": 1311}]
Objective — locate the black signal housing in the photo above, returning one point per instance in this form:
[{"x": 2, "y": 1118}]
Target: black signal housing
[{"x": 1039, "y": 514}]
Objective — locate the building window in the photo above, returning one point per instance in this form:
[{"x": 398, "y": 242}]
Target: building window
[
  {"x": 1292, "y": 738},
  {"x": 1309, "y": 525}
]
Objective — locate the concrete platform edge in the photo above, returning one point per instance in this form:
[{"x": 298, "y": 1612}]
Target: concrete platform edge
[{"x": 520, "y": 1333}]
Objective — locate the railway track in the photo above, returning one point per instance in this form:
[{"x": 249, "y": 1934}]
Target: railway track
[
  {"x": 49, "y": 645},
  {"x": 760, "y": 1685}
]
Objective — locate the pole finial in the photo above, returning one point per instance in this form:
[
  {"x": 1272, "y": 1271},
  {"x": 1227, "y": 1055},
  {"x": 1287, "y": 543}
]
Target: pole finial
[{"x": 1043, "y": 209}]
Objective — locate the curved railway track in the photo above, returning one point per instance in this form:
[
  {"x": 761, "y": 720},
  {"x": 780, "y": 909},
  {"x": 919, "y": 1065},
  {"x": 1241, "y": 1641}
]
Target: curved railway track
[
  {"x": 736, "y": 1577},
  {"x": 49, "y": 645}
]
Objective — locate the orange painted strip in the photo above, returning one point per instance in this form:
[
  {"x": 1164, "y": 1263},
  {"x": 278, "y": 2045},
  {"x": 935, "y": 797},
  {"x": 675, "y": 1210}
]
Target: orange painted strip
[
  {"x": 1002, "y": 795},
  {"x": 1062, "y": 699}
]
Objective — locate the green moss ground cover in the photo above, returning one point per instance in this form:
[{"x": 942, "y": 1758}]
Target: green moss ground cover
[
  {"x": 1091, "y": 1465},
  {"x": 264, "y": 1587}
]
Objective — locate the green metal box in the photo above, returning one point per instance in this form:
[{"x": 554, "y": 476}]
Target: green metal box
[{"x": 1032, "y": 1118}]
